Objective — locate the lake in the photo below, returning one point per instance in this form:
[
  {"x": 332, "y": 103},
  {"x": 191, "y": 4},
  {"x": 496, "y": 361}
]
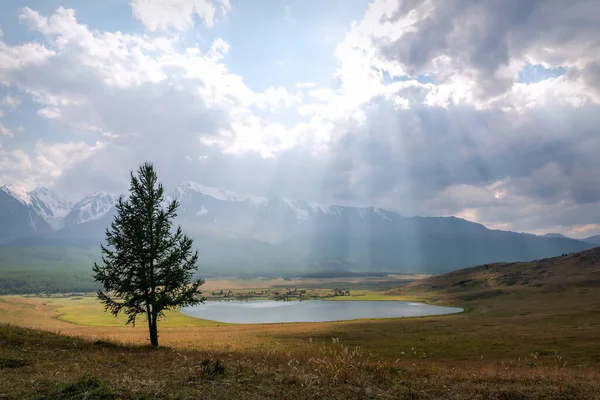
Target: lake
[{"x": 271, "y": 311}]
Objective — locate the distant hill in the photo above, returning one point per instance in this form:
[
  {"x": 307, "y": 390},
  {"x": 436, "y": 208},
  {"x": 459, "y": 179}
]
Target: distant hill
[
  {"x": 556, "y": 235},
  {"x": 550, "y": 275},
  {"x": 593, "y": 239},
  {"x": 403, "y": 245},
  {"x": 46, "y": 269}
]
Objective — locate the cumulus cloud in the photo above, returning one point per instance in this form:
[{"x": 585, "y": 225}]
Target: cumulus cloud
[
  {"x": 178, "y": 14},
  {"x": 11, "y": 102},
  {"x": 4, "y": 130},
  {"x": 145, "y": 99},
  {"x": 45, "y": 164}
]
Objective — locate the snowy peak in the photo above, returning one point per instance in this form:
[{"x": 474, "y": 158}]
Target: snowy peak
[
  {"x": 17, "y": 215},
  {"x": 18, "y": 193},
  {"x": 184, "y": 191},
  {"x": 48, "y": 204},
  {"x": 57, "y": 212},
  {"x": 91, "y": 208},
  {"x": 44, "y": 202},
  {"x": 187, "y": 194},
  {"x": 43, "y": 192},
  {"x": 198, "y": 201}
]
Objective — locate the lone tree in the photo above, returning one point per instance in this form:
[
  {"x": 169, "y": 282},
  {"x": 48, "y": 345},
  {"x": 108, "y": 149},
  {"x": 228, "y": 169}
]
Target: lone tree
[{"x": 147, "y": 267}]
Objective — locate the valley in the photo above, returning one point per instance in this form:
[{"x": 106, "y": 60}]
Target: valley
[
  {"x": 529, "y": 327},
  {"x": 530, "y": 330}
]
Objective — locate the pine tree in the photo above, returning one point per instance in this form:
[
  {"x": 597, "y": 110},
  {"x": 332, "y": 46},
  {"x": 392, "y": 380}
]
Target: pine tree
[{"x": 147, "y": 266}]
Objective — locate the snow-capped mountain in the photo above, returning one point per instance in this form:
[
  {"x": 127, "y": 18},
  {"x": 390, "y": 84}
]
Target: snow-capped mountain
[
  {"x": 202, "y": 206},
  {"x": 18, "y": 193},
  {"x": 91, "y": 208},
  {"x": 270, "y": 219},
  {"x": 44, "y": 201},
  {"x": 239, "y": 233},
  {"x": 49, "y": 206},
  {"x": 18, "y": 217},
  {"x": 184, "y": 191},
  {"x": 191, "y": 194}
]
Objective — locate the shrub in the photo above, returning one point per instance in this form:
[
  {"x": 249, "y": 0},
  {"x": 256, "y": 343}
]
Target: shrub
[{"x": 212, "y": 367}]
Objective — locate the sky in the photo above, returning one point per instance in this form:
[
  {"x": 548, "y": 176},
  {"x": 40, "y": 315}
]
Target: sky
[{"x": 488, "y": 110}]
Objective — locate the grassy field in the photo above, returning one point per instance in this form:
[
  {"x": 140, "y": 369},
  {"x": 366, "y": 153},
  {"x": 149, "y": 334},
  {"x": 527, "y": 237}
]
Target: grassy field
[
  {"x": 90, "y": 312},
  {"x": 531, "y": 331}
]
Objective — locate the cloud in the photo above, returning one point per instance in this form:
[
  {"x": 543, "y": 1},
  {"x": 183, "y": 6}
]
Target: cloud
[
  {"x": 304, "y": 85},
  {"x": 429, "y": 116},
  {"x": 583, "y": 231},
  {"x": 178, "y": 14},
  {"x": 478, "y": 47},
  {"x": 10, "y": 102},
  {"x": 144, "y": 100},
  {"x": 47, "y": 162},
  {"x": 19, "y": 57},
  {"x": 4, "y": 130}
]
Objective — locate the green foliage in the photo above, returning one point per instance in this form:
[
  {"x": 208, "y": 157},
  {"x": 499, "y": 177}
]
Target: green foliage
[
  {"x": 86, "y": 387},
  {"x": 147, "y": 267},
  {"x": 26, "y": 270}
]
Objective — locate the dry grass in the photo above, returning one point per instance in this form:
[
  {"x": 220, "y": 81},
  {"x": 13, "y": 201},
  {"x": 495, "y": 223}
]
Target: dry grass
[
  {"x": 63, "y": 368},
  {"x": 532, "y": 331}
]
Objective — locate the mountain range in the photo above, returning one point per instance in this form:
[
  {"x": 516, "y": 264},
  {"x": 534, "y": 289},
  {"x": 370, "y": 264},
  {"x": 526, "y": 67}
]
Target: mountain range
[{"x": 243, "y": 234}]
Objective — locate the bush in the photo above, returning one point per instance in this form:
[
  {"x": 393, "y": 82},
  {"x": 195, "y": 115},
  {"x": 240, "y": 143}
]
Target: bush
[{"x": 212, "y": 367}]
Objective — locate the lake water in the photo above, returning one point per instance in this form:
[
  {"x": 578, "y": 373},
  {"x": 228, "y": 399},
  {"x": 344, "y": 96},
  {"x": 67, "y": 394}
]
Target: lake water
[{"x": 271, "y": 311}]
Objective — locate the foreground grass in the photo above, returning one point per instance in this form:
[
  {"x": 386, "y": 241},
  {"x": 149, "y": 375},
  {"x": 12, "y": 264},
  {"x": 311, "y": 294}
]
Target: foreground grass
[{"x": 35, "y": 364}]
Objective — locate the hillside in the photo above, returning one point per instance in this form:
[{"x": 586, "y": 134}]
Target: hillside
[
  {"x": 563, "y": 275},
  {"x": 46, "y": 269},
  {"x": 593, "y": 239}
]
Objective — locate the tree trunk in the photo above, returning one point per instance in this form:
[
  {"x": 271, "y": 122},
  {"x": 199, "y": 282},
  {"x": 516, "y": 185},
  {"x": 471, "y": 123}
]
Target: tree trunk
[
  {"x": 153, "y": 332},
  {"x": 153, "y": 336}
]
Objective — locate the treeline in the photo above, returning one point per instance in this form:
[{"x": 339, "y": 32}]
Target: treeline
[
  {"x": 44, "y": 285},
  {"x": 32, "y": 270}
]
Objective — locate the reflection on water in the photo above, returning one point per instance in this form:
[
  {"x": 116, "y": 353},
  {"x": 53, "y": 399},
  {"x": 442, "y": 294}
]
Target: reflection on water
[{"x": 270, "y": 311}]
